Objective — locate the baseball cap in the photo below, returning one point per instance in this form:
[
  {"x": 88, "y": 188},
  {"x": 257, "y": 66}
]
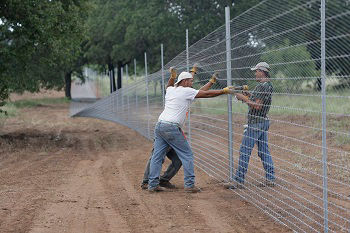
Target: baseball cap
[
  {"x": 182, "y": 76},
  {"x": 262, "y": 66}
]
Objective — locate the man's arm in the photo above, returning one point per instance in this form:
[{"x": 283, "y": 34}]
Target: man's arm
[
  {"x": 211, "y": 82},
  {"x": 257, "y": 104},
  {"x": 171, "y": 80},
  {"x": 213, "y": 93}
]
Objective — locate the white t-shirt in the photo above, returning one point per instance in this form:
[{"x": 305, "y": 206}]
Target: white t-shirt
[{"x": 177, "y": 103}]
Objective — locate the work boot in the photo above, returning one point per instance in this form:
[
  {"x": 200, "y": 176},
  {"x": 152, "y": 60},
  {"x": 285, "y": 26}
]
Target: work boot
[
  {"x": 267, "y": 183},
  {"x": 144, "y": 185},
  {"x": 234, "y": 185},
  {"x": 192, "y": 189},
  {"x": 156, "y": 189},
  {"x": 167, "y": 184}
]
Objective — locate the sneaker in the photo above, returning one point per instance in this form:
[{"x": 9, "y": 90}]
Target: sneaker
[
  {"x": 267, "y": 183},
  {"x": 235, "y": 185},
  {"x": 192, "y": 189},
  {"x": 144, "y": 186},
  {"x": 167, "y": 184},
  {"x": 156, "y": 189}
]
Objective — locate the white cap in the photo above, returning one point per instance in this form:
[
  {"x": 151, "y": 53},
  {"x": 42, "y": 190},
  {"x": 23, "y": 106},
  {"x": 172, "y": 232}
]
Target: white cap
[
  {"x": 262, "y": 66},
  {"x": 182, "y": 76}
]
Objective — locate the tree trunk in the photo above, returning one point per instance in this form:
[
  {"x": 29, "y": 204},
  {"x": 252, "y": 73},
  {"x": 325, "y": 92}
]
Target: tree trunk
[
  {"x": 119, "y": 78},
  {"x": 112, "y": 73},
  {"x": 68, "y": 81},
  {"x": 318, "y": 84}
]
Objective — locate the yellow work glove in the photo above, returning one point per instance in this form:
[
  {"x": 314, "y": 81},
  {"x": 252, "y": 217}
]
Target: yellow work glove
[
  {"x": 173, "y": 73},
  {"x": 194, "y": 68},
  {"x": 245, "y": 88},
  {"x": 229, "y": 90},
  {"x": 213, "y": 78}
]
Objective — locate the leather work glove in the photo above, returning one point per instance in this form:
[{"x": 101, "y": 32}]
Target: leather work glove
[
  {"x": 232, "y": 89},
  {"x": 213, "y": 78},
  {"x": 229, "y": 90},
  {"x": 194, "y": 68},
  {"x": 173, "y": 73}
]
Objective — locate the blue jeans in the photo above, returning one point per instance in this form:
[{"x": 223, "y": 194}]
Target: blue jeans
[
  {"x": 170, "y": 135},
  {"x": 173, "y": 168},
  {"x": 255, "y": 133}
]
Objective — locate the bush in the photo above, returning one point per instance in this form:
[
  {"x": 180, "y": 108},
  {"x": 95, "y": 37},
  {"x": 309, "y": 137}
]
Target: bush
[{"x": 4, "y": 94}]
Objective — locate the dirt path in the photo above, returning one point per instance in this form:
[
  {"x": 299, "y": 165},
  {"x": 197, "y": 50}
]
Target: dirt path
[{"x": 59, "y": 174}]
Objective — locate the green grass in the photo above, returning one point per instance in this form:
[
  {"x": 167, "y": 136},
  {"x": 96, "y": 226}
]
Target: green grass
[
  {"x": 283, "y": 105},
  {"x": 38, "y": 102},
  {"x": 12, "y": 107}
]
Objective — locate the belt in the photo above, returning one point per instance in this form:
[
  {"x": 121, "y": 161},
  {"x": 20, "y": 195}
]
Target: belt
[{"x": 170, "y": 123}]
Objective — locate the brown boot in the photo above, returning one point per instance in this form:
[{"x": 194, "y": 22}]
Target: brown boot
[
  {"x": 167, "y": 184},
  {"x": 192, "y": 189},
  {"x": 234, "y": 185},
  {"x": 267, "y": 183},
  {"x": 156, "y": 189}
]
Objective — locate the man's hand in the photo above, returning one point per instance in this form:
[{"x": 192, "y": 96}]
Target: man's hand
[
  {"x": 229, "y": 90},
  {"x": 194, "y": 69},
  {"x": 213, "y": 78},
  {"x": 173, "y": 73},
  {"x": 246, "y": 93},
  {"x": 241, "y": 97}
]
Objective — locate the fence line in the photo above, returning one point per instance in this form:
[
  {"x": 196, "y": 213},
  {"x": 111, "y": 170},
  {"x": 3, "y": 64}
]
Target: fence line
[{"x": 307, "y": 45}]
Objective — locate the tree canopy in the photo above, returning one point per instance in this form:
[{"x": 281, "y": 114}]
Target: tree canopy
[
  {"x": 43, "y": 42},
  {"x": 40, "y": 41}
]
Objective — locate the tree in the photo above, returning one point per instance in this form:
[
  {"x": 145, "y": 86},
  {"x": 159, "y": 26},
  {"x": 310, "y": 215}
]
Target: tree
[
  {"x": 39, "y": 41},
  {"x": 292, "y": 75},
  {"x": 337, "y": 43},
  {"x": 122, "y": 30}
]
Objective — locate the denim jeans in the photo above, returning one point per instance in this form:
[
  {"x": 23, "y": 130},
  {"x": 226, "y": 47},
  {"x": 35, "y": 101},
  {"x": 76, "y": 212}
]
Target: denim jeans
[
  {"x": 173, "y": 168},
  {"x": 255, "y": 133},
  {"x": 170, "y": 135}
]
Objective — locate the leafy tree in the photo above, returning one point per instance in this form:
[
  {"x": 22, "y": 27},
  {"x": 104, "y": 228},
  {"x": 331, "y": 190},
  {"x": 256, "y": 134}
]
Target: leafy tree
[
  {"x": 40, "y": 40},
  {"x": 122, "y": 30},
  {"x": 337, "y": 43},
  {"x": 290, "y": 76}
]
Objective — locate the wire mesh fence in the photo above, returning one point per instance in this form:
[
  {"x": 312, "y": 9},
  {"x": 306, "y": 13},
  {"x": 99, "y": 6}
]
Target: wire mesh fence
[{"x": 309, "y": 136}]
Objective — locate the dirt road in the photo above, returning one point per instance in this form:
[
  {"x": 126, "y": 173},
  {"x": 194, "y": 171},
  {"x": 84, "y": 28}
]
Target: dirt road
[{"x": 59, "y": 174}]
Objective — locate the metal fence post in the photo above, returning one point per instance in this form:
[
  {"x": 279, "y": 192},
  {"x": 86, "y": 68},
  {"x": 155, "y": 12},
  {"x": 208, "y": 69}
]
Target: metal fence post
[
  {"x": 148, "y": 129},
  {"x": 229, "y": 83},
  {"x": 324, "y": 122},
  {"x": 162, "y": 62},
  {"x": 136, "y": 103},
  {"x": 127, "y": 97},
  {"x": 121, "y": 89},
  {"x": 188, "y": 69}
]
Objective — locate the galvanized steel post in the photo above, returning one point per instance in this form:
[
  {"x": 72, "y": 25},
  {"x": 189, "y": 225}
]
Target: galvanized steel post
[
  {"x": 188, "y": 69},
  {"x": 126, "y": 73},
  {"x": 229, "y": 83},
  {"x": 121, "y": 89},
  {"x": 162, "y": 62},
  {"x": 148, "y": 129},
  {"x": 324, "y": 122},
  {"x": 127, "y": 97},
  {"x": 136, "y": 103}
]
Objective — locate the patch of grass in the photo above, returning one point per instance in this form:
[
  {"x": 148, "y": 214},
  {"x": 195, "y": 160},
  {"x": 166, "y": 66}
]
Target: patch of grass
[
  {"x": 38, "y": 102},
  {"x": 12, "y": 107},
  {"x": 296, "y": 105}
]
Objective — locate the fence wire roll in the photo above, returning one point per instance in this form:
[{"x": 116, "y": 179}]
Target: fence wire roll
[{"x": 287, "y": 35}]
